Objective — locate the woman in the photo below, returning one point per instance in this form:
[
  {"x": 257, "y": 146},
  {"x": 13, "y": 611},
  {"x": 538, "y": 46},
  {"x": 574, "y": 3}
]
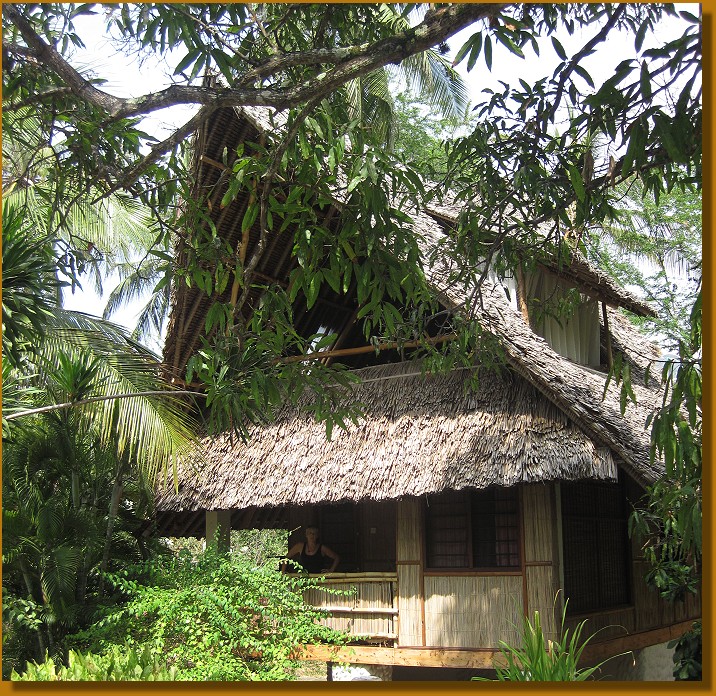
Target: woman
[{"x": 313, "y": 556}]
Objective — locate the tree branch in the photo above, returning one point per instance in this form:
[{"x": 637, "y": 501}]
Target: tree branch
[
  {"x": 177, "y": 137},
  {"x": 350, "y": 62},
  {"x": 37, "y": 98},
  {"x": 50, "y": 57},
  {"x": 583, "y": 52}
]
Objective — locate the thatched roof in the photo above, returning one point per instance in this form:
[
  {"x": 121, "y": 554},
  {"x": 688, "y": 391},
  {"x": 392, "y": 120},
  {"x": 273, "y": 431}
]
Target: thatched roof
[
  {"x": 547, "y": 421},
  {"x": 420, "y": 435},
  {"x": 222, "y": 133},
  {"x": 576, "y": 389},
  {"x": 589, "y": 278}
]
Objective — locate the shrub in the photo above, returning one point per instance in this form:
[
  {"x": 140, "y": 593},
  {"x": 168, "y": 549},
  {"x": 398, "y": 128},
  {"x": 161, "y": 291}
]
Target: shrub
[
  {"x": 118, "y": 664},
  {"x": 215, "y": 617},
  {"x": 539, "y": 659},
  {"x": 688, "y": 654}
]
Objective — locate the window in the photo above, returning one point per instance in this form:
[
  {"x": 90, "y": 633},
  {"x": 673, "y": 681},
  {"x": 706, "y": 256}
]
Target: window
[
  {"x": 339, "y": 531},
  {"x": 596, "y": 546},
  {"x": 473, "y": 529},
  {"x": 567, "y": 319}
]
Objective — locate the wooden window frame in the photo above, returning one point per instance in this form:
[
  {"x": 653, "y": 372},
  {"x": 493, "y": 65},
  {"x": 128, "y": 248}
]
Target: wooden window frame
[{"x": 472, "y": 568}]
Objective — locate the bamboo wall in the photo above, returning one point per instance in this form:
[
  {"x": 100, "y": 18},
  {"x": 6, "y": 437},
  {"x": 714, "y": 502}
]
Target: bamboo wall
[
  {"x": 647, "y": 610},
  {"x": 472, "y": 610},
  {"x": 465, "y": 611},
  {"x": 365, "y": 606}
]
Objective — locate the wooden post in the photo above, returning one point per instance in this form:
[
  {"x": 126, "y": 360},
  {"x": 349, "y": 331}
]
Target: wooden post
[
  {"x": 607, "y": 336},
  {"x": 522, "y": 294},
  {"x": 409, "y": 562},
  {"x": 218, "y": 527}
]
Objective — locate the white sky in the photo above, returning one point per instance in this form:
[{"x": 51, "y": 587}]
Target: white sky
[{"x": 127, "y": 78}]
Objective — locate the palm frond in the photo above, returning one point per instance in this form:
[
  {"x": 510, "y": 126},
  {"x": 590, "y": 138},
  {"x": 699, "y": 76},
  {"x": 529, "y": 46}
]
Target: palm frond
[
  {"x": 378, "y": 105},
  {"x": 153, "y": 315},
  {"x": 354, "y": 99},
  {"x": 149, "y": 430},
  {"x": 28, "y": 284},
  {"x": 59, "y": 572},
  {"x": 50, "y": 521},
  {"x": 437, "y": 82},
  {"x": 136, "y": 282}
]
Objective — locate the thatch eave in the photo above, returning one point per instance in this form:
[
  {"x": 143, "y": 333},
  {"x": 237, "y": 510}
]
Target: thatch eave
[{"x": 421, "y": 434}]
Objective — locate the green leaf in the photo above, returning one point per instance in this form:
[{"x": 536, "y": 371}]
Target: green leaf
[
  {"x": 475, "y": 52},
  {"x": 333, "y": 278},
  {"x": 488, "y": 53},
  {"x": 577, "y": 183},
  {"x": 325, "y": 340},
  {"x": 635, "y": 148},
  {"x": 689, "y": 17},
  {"x": 249, "y": 218},
  {"x": 509, "y": 44},
  {"x": 314, "y": 287},
  {"x": 645, "y": 81},
  {"x": 354, "y": 182},
  {"x": 641, "y": 34},
  {"x": 584, "y": 75},
  {"x": 467, "y": 46},
  {"x": 559, "y": 48}
]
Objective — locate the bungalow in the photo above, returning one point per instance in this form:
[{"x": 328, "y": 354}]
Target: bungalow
[{"x": 456, "y": 509}]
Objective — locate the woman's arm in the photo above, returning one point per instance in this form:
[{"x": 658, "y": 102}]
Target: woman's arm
[{"x": 330, "y": 553}]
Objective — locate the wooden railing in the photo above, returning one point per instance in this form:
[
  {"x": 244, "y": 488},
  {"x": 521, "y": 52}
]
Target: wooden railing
[{"x": 364, "y": 606}]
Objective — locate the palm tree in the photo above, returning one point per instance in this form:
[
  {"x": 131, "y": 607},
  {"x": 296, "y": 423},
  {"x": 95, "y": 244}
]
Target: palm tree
[
  {"x": 57, "y": 485},
  {"x": 37, "y": 332},
  {"x": 429, "y": 74},
  {"x": 88, "y": 424},
  {"x": 94, "y": 236}
]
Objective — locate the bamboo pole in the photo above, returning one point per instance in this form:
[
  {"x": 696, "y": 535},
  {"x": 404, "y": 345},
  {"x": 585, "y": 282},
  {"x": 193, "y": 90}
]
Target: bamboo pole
[{"x": 358, "y": 350}]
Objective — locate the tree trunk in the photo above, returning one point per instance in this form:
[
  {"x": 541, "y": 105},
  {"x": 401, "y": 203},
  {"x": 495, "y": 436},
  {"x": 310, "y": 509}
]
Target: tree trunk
[
  {"x": 28, "y": 586},
  {"x": 113, "y": 509}
]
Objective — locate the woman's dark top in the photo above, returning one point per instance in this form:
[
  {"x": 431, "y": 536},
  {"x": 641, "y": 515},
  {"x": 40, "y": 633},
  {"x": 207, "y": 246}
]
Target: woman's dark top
[{"x": 312, "y": 563}]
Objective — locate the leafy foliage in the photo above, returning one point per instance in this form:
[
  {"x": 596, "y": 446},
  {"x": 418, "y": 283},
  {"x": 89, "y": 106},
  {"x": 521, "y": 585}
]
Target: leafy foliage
[
  {"x": 57, "y": 486},
  {"x": 29, "y": 286},
  {"x": 120, "y": 664},
  {"x": 215, "y": 617},
  {"x": 420, "y": 134},
  {"x": 531, "y": 172},
  {"x": 527, "y": 170},
  {"x": 80, "y": 412},
  {"x": 93, "y": 237},
  {"x": 62, "y": 358},
  {"x": 539, "y": 170},
  {"x": 688, "y": 654},
  {"x": 655, "y": 249},
  {"x": 670, "y": 522}
]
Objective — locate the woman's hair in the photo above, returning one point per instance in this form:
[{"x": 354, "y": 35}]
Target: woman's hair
[{"x": 312, "y": 526}]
